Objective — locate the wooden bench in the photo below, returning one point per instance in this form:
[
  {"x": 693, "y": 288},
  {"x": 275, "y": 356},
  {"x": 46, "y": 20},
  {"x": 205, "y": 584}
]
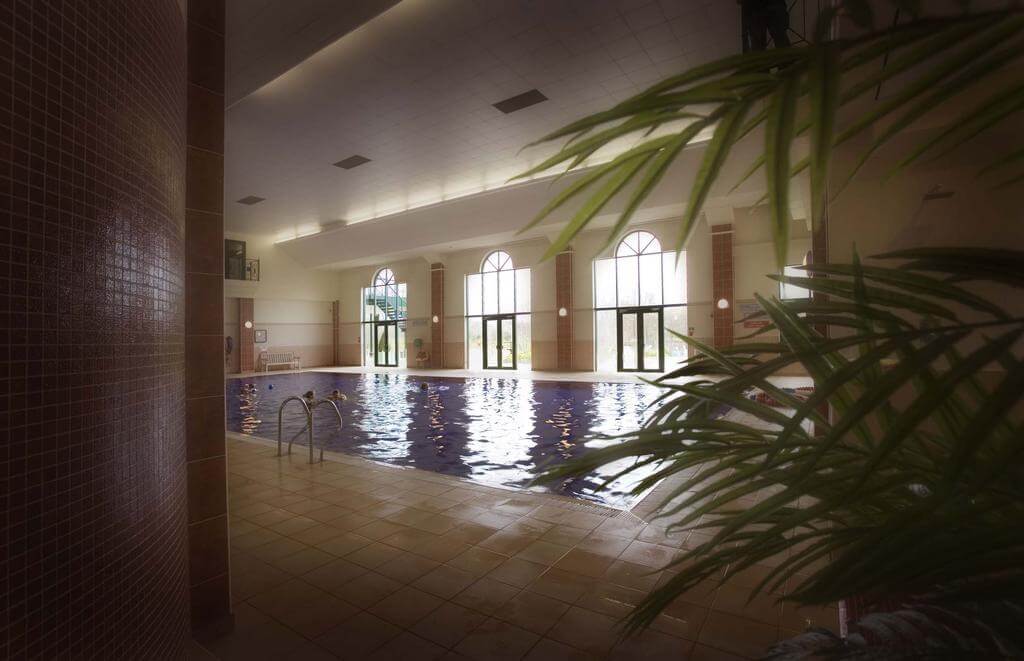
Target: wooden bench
[{"x": 286, "y": 358}]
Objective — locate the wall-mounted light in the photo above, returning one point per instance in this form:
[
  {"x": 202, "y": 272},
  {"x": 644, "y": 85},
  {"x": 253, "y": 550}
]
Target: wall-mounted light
[
  {"x": 562, "y": 312},
  {"x": 435, "y": 319},
  {"x": 723, "y": 304},
  {"x": 248, "y": 324}
]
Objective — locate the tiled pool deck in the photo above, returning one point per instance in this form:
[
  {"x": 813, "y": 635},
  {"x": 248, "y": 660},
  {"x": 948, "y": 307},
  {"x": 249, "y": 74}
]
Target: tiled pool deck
[{"x": 350, "y": 559}]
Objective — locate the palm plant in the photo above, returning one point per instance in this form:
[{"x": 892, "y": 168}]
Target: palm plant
[
  {"x": 912, "y": 486},
  {"x": 902, "y": 475},
  {"x": 795, "y": 93}
]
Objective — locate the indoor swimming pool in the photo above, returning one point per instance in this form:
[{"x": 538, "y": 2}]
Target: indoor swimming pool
[{"x": 496, "y": 431}]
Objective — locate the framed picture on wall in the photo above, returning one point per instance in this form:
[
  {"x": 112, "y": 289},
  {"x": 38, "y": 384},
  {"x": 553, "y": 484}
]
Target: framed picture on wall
[{"x": 259, "y": 336}]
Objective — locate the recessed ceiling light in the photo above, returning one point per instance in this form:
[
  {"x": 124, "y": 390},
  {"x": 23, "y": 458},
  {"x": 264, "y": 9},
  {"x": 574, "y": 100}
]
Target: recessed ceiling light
[
  {"x": 351, "y": 162},
  {"x": 251, "y": 200},
  {"x": 520, "y": 101}
]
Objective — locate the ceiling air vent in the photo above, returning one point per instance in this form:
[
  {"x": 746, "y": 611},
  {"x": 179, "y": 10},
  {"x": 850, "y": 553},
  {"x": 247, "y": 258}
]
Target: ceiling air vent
[
  {"x": 250, "y": 200},
  {"x": 351, "y": 162},
  {"x": 520, "y": 101}
]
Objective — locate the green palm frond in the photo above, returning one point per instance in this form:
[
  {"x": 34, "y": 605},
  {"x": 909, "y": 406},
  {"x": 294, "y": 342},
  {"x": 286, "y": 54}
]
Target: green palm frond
[
  {"x": 915, "y": 481},
  {"x": 794, "y": 93}
]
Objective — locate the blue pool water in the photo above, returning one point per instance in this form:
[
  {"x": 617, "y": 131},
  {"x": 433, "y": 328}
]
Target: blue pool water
[{"x": 496, "y": 431}]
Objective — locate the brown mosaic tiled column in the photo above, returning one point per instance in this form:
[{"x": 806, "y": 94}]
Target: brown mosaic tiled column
[
  {"x": 722, "y": 283},
  {"x": 246, "y": 336},
  {"x": 437, "y": 312},
  {"x": 93, "y": 556},
  {"x": 204, "y": 313},
  {"x": 563, "y": 300}
]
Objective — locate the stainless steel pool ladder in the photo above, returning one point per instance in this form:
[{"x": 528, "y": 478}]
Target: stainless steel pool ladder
[{"x": 308, "y": 407}]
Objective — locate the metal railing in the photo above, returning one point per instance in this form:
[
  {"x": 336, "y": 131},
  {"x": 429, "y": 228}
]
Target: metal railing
[{"x": 309, "y": 406}]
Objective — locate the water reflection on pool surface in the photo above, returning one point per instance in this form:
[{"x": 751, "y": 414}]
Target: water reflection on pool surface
[{"x": 496, "y": 431}]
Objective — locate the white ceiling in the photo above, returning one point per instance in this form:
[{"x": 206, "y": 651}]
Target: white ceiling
[
  {"x": 412, "y": 89},
  {"x": 266, "y": 38}
]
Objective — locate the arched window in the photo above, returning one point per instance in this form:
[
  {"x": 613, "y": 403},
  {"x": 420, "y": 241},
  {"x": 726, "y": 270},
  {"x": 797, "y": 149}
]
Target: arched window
[
  {"x": 639, "y": 300},
  {"x": 498, "y": 314},
  {"x": 385, "y": 309}
]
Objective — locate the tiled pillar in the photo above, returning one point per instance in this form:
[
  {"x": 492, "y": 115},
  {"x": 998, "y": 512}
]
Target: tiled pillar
[
  {"x": 336, "y": 332},
  {"x": 437, "y": 312},
  {"x": 209, "y": 583},
  {"x": 246, "y": 336},
  {"x": 722, "y": 281},
  {"x": 563, "y": 301}
]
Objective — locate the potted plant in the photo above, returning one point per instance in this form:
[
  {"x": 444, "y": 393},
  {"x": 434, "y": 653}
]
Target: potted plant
[{"x": 898, "y": 483}]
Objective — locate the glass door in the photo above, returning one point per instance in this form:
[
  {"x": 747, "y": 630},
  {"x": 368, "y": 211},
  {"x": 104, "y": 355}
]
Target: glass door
[
  {"x": 641, "y": 339},
  {"x": 499, "y": 342},
  {"x": 385, "y": 344}
]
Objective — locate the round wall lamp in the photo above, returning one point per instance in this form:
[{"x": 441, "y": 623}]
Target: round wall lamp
[
  {"x": 562, "y": 312},
  {"x": 435, "y": 319},
  {"x": 248, "y": 324},
  {"x": 723, "y": 304}
]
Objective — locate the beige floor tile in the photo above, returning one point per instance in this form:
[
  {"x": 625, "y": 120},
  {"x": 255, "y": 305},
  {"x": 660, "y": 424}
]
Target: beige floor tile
[
  {"x": 610, "y": 599},
  {"x": 286, "y": 597},
  {"x": 470, "y": 532},
  {"x": 477, "y": 561},
  {"x": 265, "y": 641},
  {"x": 304, "y": 561},
  {"x": 649, "y": 555},
  {"x": 705, "y": 653},
  {"x": 316, "y": 534},
  {"x": 409, "y": 539},
  {"x": 448, "y": 624},
  {"x": 309, "y": 652},
  {"x": 379, "y": 529},
  {"x": 343, "y": 544},
  {"x": 486, "y": 595},
  {"x": 406, "y": 606},
  {"x": 652, "y": 646},
  {"x": 585, "y": 563},
  {"x": 562, "y": 585},
  {"x": 358, "y": 636},
  {"x": 621, "y": 526},
  {"x": 531, "y": 611},
  {"x": 552, "y": 650},
  {"x": 250, "y": 583},
  {"x": 251, "y": 540},
  {"x": 277, "y": 549},
  {"x": 348, "y": 521},
  {"x": 508, "y": 542},
  {"x": 270, "y": 517},
  {"x": 632, "y": 575},
  {"x": 241, "y": 527},
  {"x": 603, "y": 544},
  {"x": 406, "y": 647},
  {"x": 366, "y": 590},
  {"x": 737, "y": 635},
  {"x": 495, "y": 640},
  {"x": 334, "y": 575},
  {"x": 764, "y": 608},
  {"x": 445, "y": 581},
  {"x": 407, "y": 567},
  {"x": 373, "y": 555},
  {"x": 441, "y": 549},
  {"x": 317, "y": 616},
  {"x": 564, "y": 535},
  {"x": 543, "y": 553},
  {"x": 585, "y": 630},
  {"x": 682, "y": 620},
  {"x": 292, "y": 525},
  {"x": 530, "y": 526},
  {"x": 517, "y": 572}
]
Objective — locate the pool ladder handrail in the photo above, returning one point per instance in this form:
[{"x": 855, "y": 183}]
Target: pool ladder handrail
[{"x": 309, "y": 407}]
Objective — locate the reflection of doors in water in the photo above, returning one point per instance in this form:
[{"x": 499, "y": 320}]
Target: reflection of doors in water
[
  {"x": 640, "y": 336},
  {"x": 500, "y": 342},
  {"x": 385, "y": 344}
]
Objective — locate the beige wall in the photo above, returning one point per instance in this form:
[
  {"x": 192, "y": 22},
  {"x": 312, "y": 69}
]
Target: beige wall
[
  {"x": 415, "y": 273},
  {"x": 282, "y": 278},
  {"x": 754, "y": 259},
  {"x": 301, "y": 327}
]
